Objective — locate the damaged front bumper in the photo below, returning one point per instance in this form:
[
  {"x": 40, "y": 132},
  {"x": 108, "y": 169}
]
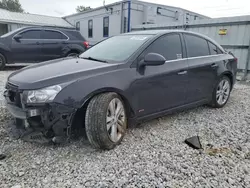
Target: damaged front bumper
[{"x": 41, "y": 123}]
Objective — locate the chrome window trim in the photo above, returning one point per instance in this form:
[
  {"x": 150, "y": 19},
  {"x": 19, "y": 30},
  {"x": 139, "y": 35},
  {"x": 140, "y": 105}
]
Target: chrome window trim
[
  {"x": 41, "y": 31},
  {"x": 59, "y": 32},
  {"x": 190, "y": 58}
]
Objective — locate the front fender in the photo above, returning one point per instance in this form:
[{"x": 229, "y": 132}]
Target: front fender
[{"x": 77, "y": 93}]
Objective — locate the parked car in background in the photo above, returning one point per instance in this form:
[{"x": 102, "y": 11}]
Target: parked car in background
[
  {"x": 124, "y": 79},
  {"x": 36, "y": 44}
]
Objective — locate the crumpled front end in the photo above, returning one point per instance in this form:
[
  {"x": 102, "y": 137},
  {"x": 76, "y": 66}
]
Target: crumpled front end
[{"x": 40, "y": 123}]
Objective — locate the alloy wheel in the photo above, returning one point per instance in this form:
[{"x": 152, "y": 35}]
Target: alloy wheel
[
  {"x": 116, "y": 120},
  {"x": 223, "y": 91}
]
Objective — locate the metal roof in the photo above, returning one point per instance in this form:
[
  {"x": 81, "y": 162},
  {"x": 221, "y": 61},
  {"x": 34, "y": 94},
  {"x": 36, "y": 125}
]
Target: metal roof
[
  {"x": 132, "y": 1},
  {"x": 32, "y": 19},
  {"x": 236, "y": 20}
]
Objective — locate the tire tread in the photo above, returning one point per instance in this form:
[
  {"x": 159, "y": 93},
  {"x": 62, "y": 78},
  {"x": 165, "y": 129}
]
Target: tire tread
[{"x": 95, "y": 115}]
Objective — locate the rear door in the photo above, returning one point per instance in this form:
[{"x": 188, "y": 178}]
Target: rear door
[
  {"x": 28, "y": 48},
  {"x": 202, "y": 72},
  {"x": 52, "y": 44}
]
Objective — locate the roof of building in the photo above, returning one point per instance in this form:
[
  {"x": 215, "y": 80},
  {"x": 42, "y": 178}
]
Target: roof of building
[
  {"x": 32, "y": 19},
  {"x": 133, "y": 1},
  {"x": 205, "y": 22}
]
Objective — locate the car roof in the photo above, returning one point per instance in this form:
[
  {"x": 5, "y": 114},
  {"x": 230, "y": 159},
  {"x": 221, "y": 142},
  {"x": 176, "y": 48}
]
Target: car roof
[
  {"x": 166, "y": 31},
  {"x": 161, "y": 32},
  {"x": 47, "y": 27}
]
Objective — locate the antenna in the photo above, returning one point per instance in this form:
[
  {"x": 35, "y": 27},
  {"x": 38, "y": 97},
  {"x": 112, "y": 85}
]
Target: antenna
[
  {"x": 107, "y": 8},
  {"x": 105, "y": 5}
]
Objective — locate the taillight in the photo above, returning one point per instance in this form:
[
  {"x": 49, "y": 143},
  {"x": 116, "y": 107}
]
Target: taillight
[
  {"x": 86, "y": 44},
  {"x": 235, "y": 58}
]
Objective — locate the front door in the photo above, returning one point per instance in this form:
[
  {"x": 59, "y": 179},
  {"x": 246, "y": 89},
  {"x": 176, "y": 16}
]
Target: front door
[
  {"x": 27, "y": 49},
  {"x": 162, "y": 87}
]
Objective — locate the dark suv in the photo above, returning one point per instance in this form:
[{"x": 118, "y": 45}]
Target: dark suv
[
  {"x": 36, "y": 44},
  {"x": 122, "y": 80}
]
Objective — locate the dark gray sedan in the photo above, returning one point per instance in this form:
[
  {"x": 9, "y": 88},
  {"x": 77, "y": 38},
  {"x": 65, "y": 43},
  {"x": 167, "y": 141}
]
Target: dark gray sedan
[{"x": 120, "y": 81}]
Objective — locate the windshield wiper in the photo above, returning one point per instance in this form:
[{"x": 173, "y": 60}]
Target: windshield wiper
[{"x": 94, "y": 59}]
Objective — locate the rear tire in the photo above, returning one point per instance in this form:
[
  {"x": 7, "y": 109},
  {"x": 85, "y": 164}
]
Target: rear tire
[
  {"x": 72, "y": 54},
  {"x": 221, "y": 92},
  {"x": 105, "y": 121},
  {"x": 2, "y": 61}
]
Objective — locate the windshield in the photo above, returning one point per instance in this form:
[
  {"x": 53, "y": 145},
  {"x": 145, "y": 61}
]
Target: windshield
[
  {"x": 10, "y": 33},
  {"x": 118, "y": 48}
]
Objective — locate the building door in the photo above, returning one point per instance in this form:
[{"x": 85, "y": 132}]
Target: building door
[{"x": 3, "y": 29}]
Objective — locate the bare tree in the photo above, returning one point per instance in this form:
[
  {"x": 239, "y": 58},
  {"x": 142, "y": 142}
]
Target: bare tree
[{"x": 82, "y": 8}]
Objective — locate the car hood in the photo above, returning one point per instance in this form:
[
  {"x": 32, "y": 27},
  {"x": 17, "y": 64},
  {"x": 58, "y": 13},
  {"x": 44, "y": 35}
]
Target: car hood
[{"x": 56, "y": 72}]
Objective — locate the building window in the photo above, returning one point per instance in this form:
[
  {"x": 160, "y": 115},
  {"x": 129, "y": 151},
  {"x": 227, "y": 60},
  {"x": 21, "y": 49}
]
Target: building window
[
  {"x": 125, "y": 25},
  {"x": 105, "y": 26},
  {"x": 90, "y": 30},
  {"x": 78, "y": 26}
]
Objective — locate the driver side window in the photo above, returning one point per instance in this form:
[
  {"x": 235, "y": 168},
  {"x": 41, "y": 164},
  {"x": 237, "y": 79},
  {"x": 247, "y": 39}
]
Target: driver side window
[
  {"x": 169, "y": 46},
  {"x": 31, "y": 34}
]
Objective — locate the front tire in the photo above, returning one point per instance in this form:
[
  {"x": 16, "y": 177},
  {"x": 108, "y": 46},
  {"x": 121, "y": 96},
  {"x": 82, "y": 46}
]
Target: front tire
[
  {"x": 2, "y": 61},
  {"x": 221, "y": 92},
  {"x": 105, "y": 121}
]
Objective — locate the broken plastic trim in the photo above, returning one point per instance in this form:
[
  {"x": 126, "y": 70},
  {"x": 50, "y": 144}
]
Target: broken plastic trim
[{"x": 194, "y": 142}]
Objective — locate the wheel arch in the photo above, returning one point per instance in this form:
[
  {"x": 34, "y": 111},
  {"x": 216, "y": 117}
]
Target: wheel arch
[
  {"x": 129, "y": 109},
  {"x": 79, "y": 119},
  {"x": 73, "y": 51},
  {"x": 4, "y": 54},
  {"x": 230, "y": 76},
  {"x": 72, "y": 47}
]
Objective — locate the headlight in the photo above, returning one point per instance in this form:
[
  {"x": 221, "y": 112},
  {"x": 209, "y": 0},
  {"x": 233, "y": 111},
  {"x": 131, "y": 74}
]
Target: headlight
[{"x": 43, "y": 95}]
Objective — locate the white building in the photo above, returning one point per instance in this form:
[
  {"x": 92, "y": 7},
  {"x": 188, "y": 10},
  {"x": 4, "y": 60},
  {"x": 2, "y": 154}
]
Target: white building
[{"x": 119, "y": 17}]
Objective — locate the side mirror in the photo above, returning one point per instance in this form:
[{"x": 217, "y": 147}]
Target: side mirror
[
  {"x": 17, "y": 37},
  {"x": 153, "y": 59}
]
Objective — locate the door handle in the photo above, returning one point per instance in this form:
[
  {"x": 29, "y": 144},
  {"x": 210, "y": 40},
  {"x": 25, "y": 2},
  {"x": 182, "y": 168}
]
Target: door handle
[
  {"x": 214, "y": 65},
  {"x": 182, "y": 72},
  {"x": 37, "y": 43}
]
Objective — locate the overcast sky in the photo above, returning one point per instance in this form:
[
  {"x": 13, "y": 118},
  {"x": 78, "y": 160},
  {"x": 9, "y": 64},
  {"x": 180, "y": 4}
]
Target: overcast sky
[{"x": 212, "y": 8}]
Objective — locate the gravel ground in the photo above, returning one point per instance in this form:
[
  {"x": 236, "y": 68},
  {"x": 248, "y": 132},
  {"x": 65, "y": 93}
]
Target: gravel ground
[{"x": 152, "y": 154}]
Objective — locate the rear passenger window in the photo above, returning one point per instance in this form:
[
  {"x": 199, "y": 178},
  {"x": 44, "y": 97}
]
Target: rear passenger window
[
  {"x": 47, "y": 34},
  {"x": 168, "y": 46},
  {"x": 196, "y": 46},
  {"x": 213, "y": 49},
  {"x": 219, "y": 51}
]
